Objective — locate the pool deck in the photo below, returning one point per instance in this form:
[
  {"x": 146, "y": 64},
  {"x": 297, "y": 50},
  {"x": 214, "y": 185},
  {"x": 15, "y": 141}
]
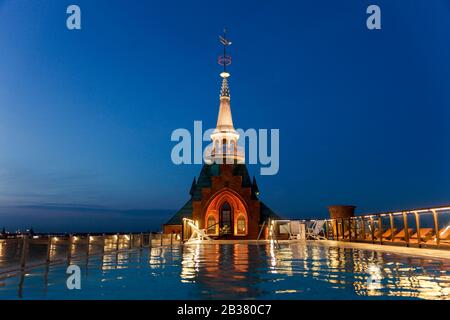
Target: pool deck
[{"x": 408, "y": 251}]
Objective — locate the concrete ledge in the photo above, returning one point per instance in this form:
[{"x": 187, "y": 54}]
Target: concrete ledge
[
  {"x": 418, "y": 252},
  {"x": 408, "y": 251}
]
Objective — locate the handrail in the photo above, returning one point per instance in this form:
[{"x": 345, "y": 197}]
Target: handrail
[
  {"x": 409, "y": 232},
  {"x": 129, "y": 242}
]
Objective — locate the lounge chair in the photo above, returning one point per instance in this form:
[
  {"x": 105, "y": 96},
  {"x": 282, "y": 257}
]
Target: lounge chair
[
  {"x": 368, "y": 235},
  {"x": 444, "y": 233},
  {"x": 425, "y": 234},
  {"x": 389, "y": 233},
  {"x": 401, "y": 235},
  {"x": 378, "y": 233},
  {"x": 296, "y": 230},
  {"x": 314, "y": 232}
]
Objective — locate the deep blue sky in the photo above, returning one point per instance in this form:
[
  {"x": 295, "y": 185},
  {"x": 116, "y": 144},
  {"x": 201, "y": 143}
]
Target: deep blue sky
[{"x": 86, "y": 116}]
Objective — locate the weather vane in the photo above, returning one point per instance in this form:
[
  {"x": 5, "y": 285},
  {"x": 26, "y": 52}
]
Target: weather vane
[{"x": 224, "y": 60}]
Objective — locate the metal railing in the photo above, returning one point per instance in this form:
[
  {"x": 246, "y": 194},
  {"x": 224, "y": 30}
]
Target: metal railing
[{"x": 423, "y": 228}]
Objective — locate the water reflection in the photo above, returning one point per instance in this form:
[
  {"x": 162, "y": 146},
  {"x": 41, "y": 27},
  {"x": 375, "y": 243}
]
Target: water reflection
[
  {"x": 242, "y": 271},
  {"x": 222, "y": 271},
  {"x": 236, "y": 271}
]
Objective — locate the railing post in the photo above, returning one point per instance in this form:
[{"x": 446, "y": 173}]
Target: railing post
[
  {"x": 436, "y": 227},
  {"x": 182, "y": 230},
  {"x": 117, "y": 241},
  {"x": 372, "y": 227},
  {"x": 103, "y": 243},
  {"x": 161, "y": 239},
  {"x": 350, "y": 229},
  {"x": 130, "y": 241},
  {"x": 88, "y": 244},
  {"x": 69, "y": 255},
  {"x": 337, "y": 229},
  {"x": 141, "y": 240},
  {"x": 326, "y": 229},
  {"x": 171, "y": 239},
  {"x": 380, "y": 229},
  {"x": 419, "y": 236},
  {"x": 23, "y": 255},
  {"x": 405, "y": 225},
  {"x": 330, "y": 228},
  {"x": 363, "y": 228},
  {"x": 49, "y": 248},
  {"x": 391, "y": 220},
  {"x": 343, "y": 229},
  {"x": 150, "y": 236},
  {"x": 355, "y": 224}
]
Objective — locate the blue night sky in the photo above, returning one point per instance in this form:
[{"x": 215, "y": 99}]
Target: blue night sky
[{"x": 86, "y": 116}]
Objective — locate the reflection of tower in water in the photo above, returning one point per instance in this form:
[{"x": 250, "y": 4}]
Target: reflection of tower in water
[{"x": 222, "y": 270}]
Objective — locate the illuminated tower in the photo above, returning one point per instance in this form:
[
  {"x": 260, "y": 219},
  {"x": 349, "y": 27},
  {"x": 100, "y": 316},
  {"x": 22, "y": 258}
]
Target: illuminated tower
[
  {"x": 224, "y": 138},
  {"x": 224, "y": 201}
]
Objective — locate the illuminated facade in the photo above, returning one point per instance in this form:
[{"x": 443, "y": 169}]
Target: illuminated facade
[{"x": 224, "y": 200}]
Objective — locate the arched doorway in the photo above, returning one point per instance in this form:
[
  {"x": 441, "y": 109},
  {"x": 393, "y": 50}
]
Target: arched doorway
[
  {"x": 229, "y": 212},
  {"x": 226, "y": 218}
]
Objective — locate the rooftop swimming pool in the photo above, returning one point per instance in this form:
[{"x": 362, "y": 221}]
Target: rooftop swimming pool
[{"x": 238, "y": 271}]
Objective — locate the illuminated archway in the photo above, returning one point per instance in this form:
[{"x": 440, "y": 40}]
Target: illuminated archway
[{"x": 239, "y": 215}]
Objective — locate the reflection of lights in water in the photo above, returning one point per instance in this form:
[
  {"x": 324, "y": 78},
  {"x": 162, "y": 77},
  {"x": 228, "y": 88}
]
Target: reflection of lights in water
[
  {"x": 122, "y": 259},
  {"x": 273, "y": 259},
  {"x": 156, "y": 258},
  {"x": 52, "y": 250},
  {"x": 374, "y": 278},
  {"x": 107, "y": 262},
  {"x": 189, "y": 264},
  {"x": 425, "y": 287}
]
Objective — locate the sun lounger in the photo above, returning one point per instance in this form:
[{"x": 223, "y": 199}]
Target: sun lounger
[
  {"x": 425, "y": 234},
  {"x": 314, "y": 232},
  {"x": 444, "y": 233},
  {"x": 401, "y": 235},
  {"x": 389, "y": 233}
]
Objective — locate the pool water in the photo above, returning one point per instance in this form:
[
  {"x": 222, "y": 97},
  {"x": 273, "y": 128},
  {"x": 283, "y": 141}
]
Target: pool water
[{"x": 238, "y": 271}]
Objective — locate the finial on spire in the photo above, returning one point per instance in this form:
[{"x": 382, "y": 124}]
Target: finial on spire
[{"x": 224, "y": 60}]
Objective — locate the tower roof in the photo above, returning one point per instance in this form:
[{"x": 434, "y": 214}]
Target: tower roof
[{"x": 225, "y": 120}]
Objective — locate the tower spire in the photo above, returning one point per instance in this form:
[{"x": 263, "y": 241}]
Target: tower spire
[
  {"x": 224, "y": 60},
  {"x": 225, "y": 136}
]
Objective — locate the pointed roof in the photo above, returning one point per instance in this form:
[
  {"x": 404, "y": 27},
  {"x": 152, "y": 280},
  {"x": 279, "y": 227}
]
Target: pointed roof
[
  {"x": 225, "y": 120},
  {"x": 193, "y": 186},
  {"x": 184, "y": 212},
  {"x": 266, "y": 213},
  {"x": 255, "y": 189}
]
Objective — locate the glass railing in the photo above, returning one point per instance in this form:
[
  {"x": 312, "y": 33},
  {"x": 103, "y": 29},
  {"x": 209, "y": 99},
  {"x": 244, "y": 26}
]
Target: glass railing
[{"x": 26, "y": 251}]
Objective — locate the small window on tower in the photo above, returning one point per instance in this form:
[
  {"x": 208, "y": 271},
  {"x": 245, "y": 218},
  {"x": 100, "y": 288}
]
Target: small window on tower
[{"x": 241, "y": 225}]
